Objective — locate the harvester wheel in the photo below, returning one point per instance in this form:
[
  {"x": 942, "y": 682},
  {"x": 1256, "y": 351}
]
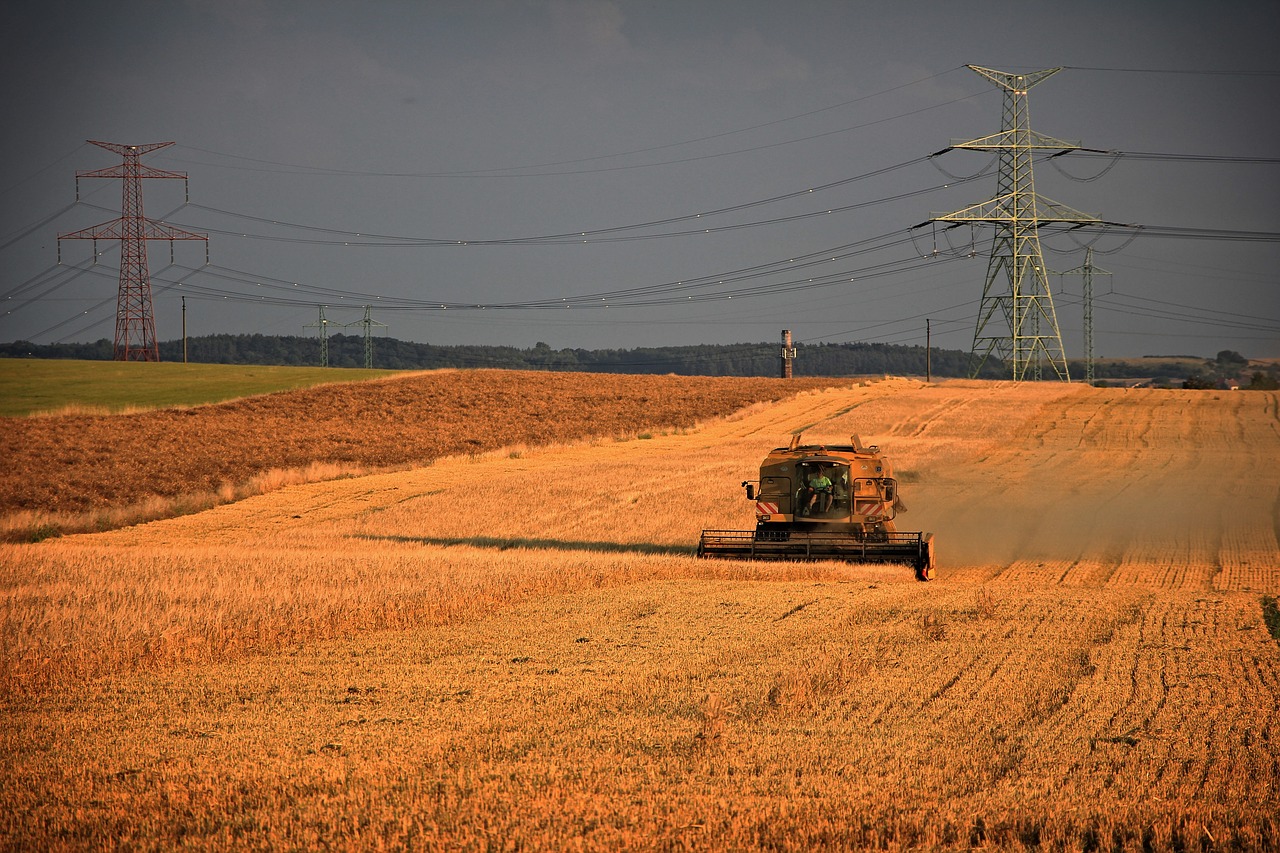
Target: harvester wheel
[{"x": 925, "y": 563}]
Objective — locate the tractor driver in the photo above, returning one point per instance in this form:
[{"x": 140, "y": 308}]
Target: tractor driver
[{"x": 819, "y": 491}]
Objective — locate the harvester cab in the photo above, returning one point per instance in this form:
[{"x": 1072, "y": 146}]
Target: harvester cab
[{"x": 828, "y": 502}]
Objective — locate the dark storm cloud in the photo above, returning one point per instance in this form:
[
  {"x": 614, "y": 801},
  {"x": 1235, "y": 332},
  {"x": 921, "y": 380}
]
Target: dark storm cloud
[{"x": 476, "y": 121}]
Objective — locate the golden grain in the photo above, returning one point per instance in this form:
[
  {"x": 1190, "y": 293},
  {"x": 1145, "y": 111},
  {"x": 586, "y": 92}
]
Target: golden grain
[{"x": 504, "y": 650}]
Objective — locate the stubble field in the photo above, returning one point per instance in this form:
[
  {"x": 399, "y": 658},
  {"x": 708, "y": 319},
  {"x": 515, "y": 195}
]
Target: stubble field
[{"x": 516, "y": 649}]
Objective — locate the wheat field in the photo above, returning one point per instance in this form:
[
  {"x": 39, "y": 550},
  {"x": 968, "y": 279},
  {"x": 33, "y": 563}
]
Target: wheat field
[{"x": 516, "y": 649}]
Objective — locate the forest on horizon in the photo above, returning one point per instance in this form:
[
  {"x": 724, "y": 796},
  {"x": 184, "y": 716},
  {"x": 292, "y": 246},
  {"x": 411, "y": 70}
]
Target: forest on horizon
[{"x": 742, "y": 359}]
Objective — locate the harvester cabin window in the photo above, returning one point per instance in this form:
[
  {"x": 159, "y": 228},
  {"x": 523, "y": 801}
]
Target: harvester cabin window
[{"x": 823, "y": 489}]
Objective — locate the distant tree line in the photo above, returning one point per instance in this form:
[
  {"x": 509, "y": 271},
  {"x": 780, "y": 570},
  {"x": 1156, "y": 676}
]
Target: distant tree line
[
  {"x": 1229, "y": 369},
  {"x": 745, "y": 359}
]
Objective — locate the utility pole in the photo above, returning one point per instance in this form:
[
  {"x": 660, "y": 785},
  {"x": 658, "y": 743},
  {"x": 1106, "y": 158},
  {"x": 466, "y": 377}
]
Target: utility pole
[
  {"x": 928, "y": 350},
  {"x": 788, "y": 353},
  {"x": 1027, "y": 331},
  {"x": 322, "y": 326},
  {"x": 184, "y": 328},
  {"x": 1086, "y": 270},
  {"x": 135, "y": 317}
]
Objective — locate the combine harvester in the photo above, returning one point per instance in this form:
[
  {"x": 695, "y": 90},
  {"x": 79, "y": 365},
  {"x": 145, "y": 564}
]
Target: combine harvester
[{"x": 824, "y": 502}]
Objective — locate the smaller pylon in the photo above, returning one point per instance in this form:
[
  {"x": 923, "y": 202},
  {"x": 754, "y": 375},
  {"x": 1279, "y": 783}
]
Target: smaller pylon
[
  {"x": 1086, "y": 271},
  {"x": 368, "y": 323},
  {"x": 322, "y": 327}
]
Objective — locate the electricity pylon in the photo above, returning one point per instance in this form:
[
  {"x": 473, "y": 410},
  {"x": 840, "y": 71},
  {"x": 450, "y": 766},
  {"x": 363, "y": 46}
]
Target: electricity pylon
[
  {"x": 1086, "y": 271},
  {"x": 322, "y": 326},
  {"x": 1029, "y": 333},
  {"x": 135, "y": 318},
  {"x": 368, "y": 323}
]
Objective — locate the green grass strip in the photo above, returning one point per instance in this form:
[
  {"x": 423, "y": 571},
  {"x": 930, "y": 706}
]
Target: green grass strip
[{"x": 30, "y": 386}]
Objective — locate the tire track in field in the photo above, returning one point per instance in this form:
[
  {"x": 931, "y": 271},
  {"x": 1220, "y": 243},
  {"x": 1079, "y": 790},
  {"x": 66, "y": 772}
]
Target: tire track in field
[
  {"x": 1205, "y": 739},
  {"x": 1185, "y": 743},
  {"x": 1028, "y": 670},
  {"x": 803, "y": 413},
  {"x": 1076, "y": 745},
  {"x": 1177, "y": 704},
  {"x": 917, "y": 425},
  {"x": 984, "y": 678}
]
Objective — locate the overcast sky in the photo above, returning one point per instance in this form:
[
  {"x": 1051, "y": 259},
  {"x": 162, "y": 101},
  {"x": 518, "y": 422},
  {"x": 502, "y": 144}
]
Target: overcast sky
[{"x": 434, "y": 160}]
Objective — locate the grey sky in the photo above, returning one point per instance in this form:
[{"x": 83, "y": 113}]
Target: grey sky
[{"x": 505, "y": 120}]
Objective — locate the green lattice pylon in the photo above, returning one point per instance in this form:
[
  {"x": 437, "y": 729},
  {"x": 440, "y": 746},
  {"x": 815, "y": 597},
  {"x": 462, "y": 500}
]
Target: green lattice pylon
[
  {"x": 1018, "y": 322},
  {"x": 1086, "y": 272}
]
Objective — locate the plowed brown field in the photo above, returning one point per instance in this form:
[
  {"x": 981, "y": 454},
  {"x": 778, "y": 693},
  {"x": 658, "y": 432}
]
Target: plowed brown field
[
  {"x": 81, "y": 462},
  {"x": 509, "y": 651}
]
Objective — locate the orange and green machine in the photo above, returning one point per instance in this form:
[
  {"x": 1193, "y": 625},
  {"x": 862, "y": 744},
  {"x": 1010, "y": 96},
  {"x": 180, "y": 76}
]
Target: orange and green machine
[{"x": 825, "y": 502}]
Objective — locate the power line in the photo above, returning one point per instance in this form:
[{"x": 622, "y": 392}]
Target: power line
[
  {"x": 677, "y": 292},
  {"x": 611, "y": 234},
  {"x": 36, "y": 226},
  {"x": 347, "y": 237},
  {"x": 41, "y": 277},
  {"x": 581, "y": 302},
  {"x": 588, "y": 235},
  {"x": 1187, "y": 71},
  {"x": 891, "y": 240},
  {"x": 1198, "y": 317},
  {"x": 1199, "y": 310},
  {"x": 295, "y": 168},
  {"x": 598, "y": 235},
  {"x": 1184, "y": 233},
  {"x": 96, "y": 307},
  {"x": 1110, "y": 305},
  {"x": 11, "y": 187},
  {"x": 667, "y": 293},
  {"x": 50, "y": 283},
  {"x": 1179, "y": 158},
  {"x": 702, "y": 289}
]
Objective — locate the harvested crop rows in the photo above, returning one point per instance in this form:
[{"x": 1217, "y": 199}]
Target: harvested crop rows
[{"x": 517, "y": 649}]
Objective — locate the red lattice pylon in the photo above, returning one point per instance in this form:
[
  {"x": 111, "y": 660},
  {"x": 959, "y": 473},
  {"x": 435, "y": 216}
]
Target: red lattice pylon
[{"x": 135, "y": 320}]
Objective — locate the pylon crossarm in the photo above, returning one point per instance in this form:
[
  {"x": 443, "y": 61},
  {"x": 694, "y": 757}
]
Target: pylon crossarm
[
  {"x": 1014, "y": 82},
  {"x": 992, "y": 210},
  {"x": 1016, "y": 139},
  {"x": 113, "y": 230},
  {"x": 999, "y": 210},
  {"x": 141, "y": 171},
  {"x": 153, "y": 230},
  {"x": 1056, "y": 211},
  {"x": 126, "y": 150}
]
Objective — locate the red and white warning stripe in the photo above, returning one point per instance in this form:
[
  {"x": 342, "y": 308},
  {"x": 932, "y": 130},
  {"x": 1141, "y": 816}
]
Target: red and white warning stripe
[
  {"x": 765, "y": 509},
  {"x": 868, "y": 509}
]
